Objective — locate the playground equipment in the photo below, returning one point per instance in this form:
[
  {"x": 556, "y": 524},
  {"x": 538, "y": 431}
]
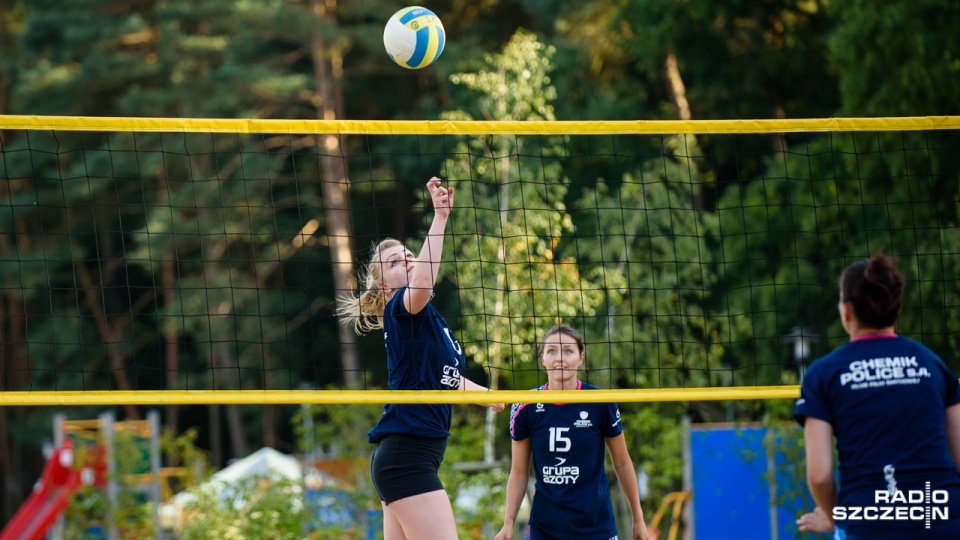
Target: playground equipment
[
  {"x": 676, "y": 499},
  {"x": 84, "y": 454},
  {"x": 62, "y": 477}
]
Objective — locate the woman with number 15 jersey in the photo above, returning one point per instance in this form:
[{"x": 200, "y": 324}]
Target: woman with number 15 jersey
[{"x": 567, "y": 442}]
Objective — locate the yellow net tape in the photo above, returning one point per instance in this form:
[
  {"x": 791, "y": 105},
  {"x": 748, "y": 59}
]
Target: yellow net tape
[
  {"x": 288, "y": 397},
  {"x": 434, "y": 127},
  {"x": 442, "y": 127}
]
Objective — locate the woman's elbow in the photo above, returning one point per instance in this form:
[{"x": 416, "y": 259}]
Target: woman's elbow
[
  {"x": 818, "y": 479},
  {"x": 624, "y": 467}
]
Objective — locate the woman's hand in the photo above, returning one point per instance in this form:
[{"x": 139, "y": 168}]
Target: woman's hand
[
  {"x": 442, "y": 198},
  {"x": 816, "y": 521},
  {"x": 497, "y": 407},
  {"x": 506, "y": 533},
  {"x": 640, "y": 531}
]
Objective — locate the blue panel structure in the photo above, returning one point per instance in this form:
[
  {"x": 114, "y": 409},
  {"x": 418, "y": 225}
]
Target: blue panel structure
[
  {"x": 731, "y": 499},
  {"x": 733, "y": 496}
]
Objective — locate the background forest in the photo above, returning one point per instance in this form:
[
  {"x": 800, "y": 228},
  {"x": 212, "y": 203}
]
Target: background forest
[{"x": 125, "y": 320}]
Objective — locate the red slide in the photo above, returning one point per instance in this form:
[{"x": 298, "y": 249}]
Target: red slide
[{"x": 50, "y": 496}]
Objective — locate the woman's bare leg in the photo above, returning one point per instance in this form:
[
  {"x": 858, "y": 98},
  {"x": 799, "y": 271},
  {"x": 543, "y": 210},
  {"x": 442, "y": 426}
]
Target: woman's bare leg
[
  {"x": 427, "y": 516},
  {"x": 391, "y": 525}
]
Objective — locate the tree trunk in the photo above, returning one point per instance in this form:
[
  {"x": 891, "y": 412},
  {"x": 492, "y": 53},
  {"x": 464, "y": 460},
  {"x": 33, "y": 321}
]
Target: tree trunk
[
  {"x": 107, "y": 332},
  {"x": 678, "y": 91},
  {"x": 223, "y": 372},
  {"x": 238, "y": 431},
  {"x": 170, "y": 337},
  {"x": 270, "y": 426},
  {"x": 171, "y": 331},
  {"x": 224, "y": 367},
  {"x": 334, "y": 182},
  {"x": 9, "y": 485},
  {"x": 216, "y": 440},
  {"x": 14, "y": 365}
]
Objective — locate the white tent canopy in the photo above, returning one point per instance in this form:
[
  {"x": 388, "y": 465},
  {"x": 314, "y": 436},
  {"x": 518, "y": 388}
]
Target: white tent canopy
[{"x": 265, "y": 463}]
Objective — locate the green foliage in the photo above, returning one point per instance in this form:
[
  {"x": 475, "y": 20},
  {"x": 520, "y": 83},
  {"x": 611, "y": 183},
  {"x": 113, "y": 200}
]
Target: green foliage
[
  {"x": 182, "y": 450},
  {"x": 654, "y": 266},
  {"x": 336, "y": 430},
  {"x": 896, "y": 58},
  {"x": 87, "y": 508},
  {"x": 515, "y": 84},
  {"x": 738, "y": 59},
  {"x": 654, "y": 435},
  {"x": 477, "y": 495},
  {"x": 337, "y": 434},
  {"x": 842, "y": 198},
  {"x": 735, "y": 239},
  {"x": 784, "y": 442},
  {"x": 90, "y": 508},
  {"x": 256, "y": 507},
  {"x": 511, "y": 217}
]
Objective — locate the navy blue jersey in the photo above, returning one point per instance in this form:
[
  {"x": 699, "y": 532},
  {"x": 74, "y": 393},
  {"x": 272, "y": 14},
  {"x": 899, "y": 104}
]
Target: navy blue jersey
[
  {"x": 885, "y": 397},
  {"x": 422, "y": 354},
  {"x": 572, "y": 497}
]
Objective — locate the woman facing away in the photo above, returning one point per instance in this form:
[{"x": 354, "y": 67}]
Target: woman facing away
[
  {"x": 422, "y": 354},
  {"x": 572, "y": 498},
  {"x": 892, "y": 406}
]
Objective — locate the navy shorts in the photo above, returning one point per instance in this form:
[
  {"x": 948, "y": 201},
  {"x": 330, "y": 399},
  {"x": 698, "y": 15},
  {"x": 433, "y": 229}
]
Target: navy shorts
[{"x": 403, "y": 466}]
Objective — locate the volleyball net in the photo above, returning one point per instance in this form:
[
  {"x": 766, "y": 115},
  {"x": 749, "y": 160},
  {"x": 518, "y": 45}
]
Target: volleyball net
[{"x": 180, "y": 261}]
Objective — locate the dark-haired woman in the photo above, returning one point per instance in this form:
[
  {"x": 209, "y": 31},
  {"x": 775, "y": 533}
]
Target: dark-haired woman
[
  {"x": 568, "y": 443},
  {"x": 892, "y": 405}
]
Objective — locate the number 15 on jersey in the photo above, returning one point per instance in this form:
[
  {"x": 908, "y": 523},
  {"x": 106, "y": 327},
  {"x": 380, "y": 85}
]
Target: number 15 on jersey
[{"x": 559, "y": 443}]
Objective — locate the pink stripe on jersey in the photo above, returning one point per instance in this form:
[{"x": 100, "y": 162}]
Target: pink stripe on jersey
[
  {"x": 516, "y": 412},
  {"x": 579, "y": 385},
  {"x": 513, "y": 417},
  {"x": 882, "y": 335}
]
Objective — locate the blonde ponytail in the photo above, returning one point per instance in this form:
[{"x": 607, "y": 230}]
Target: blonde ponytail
[{"x": 364, "y": 310}]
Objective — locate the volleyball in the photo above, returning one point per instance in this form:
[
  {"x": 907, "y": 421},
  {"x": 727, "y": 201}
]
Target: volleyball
[{"x": 414, "y": 37}]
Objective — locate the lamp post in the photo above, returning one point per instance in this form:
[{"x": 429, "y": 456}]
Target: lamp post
[{"x": 803, "y": 340}]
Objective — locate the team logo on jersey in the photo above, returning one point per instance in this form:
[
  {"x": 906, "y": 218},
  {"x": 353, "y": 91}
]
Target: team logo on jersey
[
  {"x": 451, "y": 377},
  {"x": 618, "y": 419},
  {"x": 539, "y": 407},
  {"x": 881, "y": 372},
  {"x": 584, "y": 421},
  {"x": 560, "y": 474}
]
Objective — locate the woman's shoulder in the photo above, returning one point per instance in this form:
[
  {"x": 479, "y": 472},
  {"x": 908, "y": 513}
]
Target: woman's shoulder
[
  {"x": 916, "y": 344},
  {"x": 888, "y": 346},
  {"x": 396, "y": 308},
  {"x": 869, "y": 350},
  {"x": 394, "y": 305},
  {"x": 831, "y": 361}
]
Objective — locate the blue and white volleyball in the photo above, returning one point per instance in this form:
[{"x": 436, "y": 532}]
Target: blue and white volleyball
[{"x": 414, "y": 37}]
